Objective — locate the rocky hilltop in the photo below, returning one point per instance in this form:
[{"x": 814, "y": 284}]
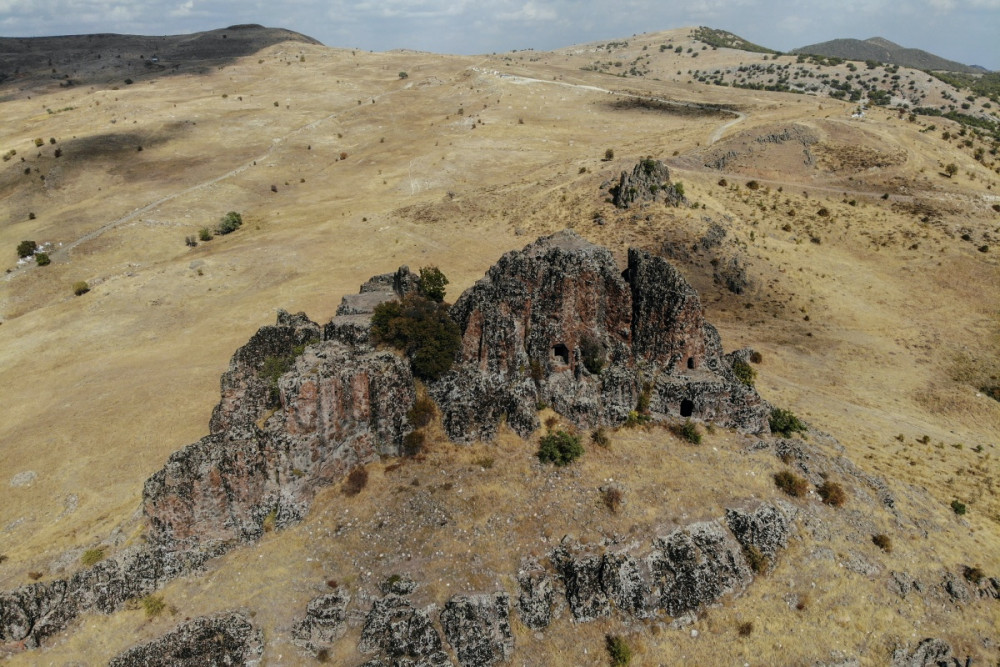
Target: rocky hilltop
[{"x": 559, "y": 324}]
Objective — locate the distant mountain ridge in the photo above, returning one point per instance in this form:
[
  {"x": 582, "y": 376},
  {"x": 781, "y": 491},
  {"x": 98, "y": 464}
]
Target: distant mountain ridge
[
  {"x": 885, "y": 51},
  {"x": 96, "y": 57}
]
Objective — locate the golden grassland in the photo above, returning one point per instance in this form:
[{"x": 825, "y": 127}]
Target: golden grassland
[{"x": 877, "y": 323}]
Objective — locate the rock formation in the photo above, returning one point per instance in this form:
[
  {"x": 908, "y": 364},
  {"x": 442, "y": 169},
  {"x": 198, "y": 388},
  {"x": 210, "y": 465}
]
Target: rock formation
[
  {"x": 226, "y": 639},
  {"x": 301, "y": 405},
  {"x": 649, "y": 181},
  {"x": 560, "y": 323}
]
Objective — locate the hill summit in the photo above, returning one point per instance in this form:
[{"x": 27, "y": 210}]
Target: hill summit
[{"x": 882, "y": 50}]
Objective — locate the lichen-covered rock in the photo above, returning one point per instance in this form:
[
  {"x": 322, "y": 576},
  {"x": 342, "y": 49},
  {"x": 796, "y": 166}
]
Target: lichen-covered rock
[
  {"x": 697, "y": 565},
  {"x": 624, "y": 582},
  {"x": 227, "y": 639},
  {"x": 396, "y": 630},
  {"x": 558, "y": 322},
  {"x": 581, "y": 576},
  {"x": 342, "y": 406},
  {"x": 648, "y": 181},
  {"x": 536, "y": 599},
  {"x": 765, "y": 529},
  {"x": 928, "y": 653},
  {"x": 246, "y": 394},
  {"x": 324, "y": 623},
  {"x": 478, "y": 628},
  {"x": 955, "y": 587}
]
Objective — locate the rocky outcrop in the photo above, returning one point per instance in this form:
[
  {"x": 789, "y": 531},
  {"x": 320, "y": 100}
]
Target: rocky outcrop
[
  {"x": 227, "y": 639},
  {"x": 765, "y": 530},
  {"x": 537, "y": 595},
  {"x": 928, "y": 653},
  {"x": 324, "y": 623},
  {"x": 338, "y": 406},
  {"x": 649, "y": 181},
  {"x": 34, "y": 612},
  {"x": 697, "y": 565},
  {"x": 396, "y": 631},
  {"x": 559, "y": 323},
  {"x": 478, "y": 628}
]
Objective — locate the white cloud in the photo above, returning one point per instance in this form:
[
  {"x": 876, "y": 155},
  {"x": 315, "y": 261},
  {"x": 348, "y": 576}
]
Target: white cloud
[{"x": 530, "y": 11}]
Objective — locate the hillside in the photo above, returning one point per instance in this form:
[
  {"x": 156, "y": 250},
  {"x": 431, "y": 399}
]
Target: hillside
[
  {"x": 844, "y": 249},
  {"x": 883, "y": 51},
  {"x": 104, "y": 58}
]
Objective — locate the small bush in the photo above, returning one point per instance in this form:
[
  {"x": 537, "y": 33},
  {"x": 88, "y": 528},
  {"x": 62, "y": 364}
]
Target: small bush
[
  {"x": 744, "y": 372},
  {"x": 612, "y": 497},
  {"x": 343, "y": 156},
  {"x": 791, "y": 483},
  {"x": 958, "y": 507},
  {"x": 413, "y": 443},
  {"x": 80, "y": 288},
  {"x": 723, "y": 182},
  {"x": 757, "y": 561},
  {"x": 153, "y": 605},
  {"x": 883, "y": 542},
  {"x": 92, "y": 557},
  {"x": 403, "y": 75},
  {"x": 190, "y": 242},
  {"x": 356, "y": 481},
  {"x": 229, "y": 223},
  {"x": 785, "y": 423},
  {"x": 599, "y": 436},
  {"x": 204, "y": 234},
  {"x": 618, "y": 650},
  {"x": 26, "y": 249},
  {"x": 832, "y": 493},
  {"x": 431, "y": 283},
  {"x": 687, "y": 431},
  {"x": 42, "y": 259},
  {"x": 753, "y": 185},
  {"x": 422, "y": 412},
  {"x": 636, "y": 419},
  {"x": 609, "y": 154},
  {"x": 745, "y": 629},
  {"x": 756, "y": 357},
  {"x": 559, "y": 448},
  {"x": 39, "y": 141}
]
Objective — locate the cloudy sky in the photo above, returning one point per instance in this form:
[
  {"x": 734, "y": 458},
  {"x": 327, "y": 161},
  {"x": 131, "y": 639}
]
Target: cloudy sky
[{"x": 963, "y": 30}]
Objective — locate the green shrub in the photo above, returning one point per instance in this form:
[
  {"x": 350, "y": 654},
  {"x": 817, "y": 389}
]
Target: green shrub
[
  {"x": 687, "y": 431},
  {"x": 80, "y": 287},
  {"x": 599, "y": 436},
  {"x": 26, "y": 249},
  {"x": 791, "y": 483},
  {"x": 431, "y": 283},
  {"x": 609, "y": 154},
  {"x": 92, "y": 557},
  {"x": 883, "y": 542},
  {"x": 618, "y": 650},
  {"x": 832, "y": 493},
  {"x": 42, "y": 259},
  {"x": 744, "y": 372},
  {"x": 636, "y": 419},
  {"x": 593, "y": 353},
  {"x": 423, "y": 330},
  {"x": 559, "y": 448},
  {"x": 270, "y": 371},
  {"x": 204, "y": 234},
  {"x": 153, "y": 605},
  {"x": 403, "y": 75},
  {"x": 958, "y": 507},
  {"x": 785, "y": 423},
  {"x": 229, "y": 223}
]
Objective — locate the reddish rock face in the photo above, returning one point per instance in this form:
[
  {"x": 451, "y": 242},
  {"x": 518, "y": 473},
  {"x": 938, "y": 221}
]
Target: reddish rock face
[
  {"x": 339, "y": 407},
  {"x": 560, "y": 323}
]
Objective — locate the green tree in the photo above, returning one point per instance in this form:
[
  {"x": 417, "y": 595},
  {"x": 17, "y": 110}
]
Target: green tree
[
  {"x": 951, "y": 169},
  {"x": 26, "y": 248},
  {"x": 423, "y": 330},
  {"x": 431, "y": 283},
  {"x": 229, "y": 223},
  {"x": 559, "y": 448}
]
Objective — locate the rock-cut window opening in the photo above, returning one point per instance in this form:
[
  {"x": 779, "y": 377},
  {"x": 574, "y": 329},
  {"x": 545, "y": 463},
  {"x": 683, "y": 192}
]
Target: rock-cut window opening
[
  {"x": 687, "y": 407},
  {"x": 692, "y": 364},
  {"x": 562, "y": 352}
]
